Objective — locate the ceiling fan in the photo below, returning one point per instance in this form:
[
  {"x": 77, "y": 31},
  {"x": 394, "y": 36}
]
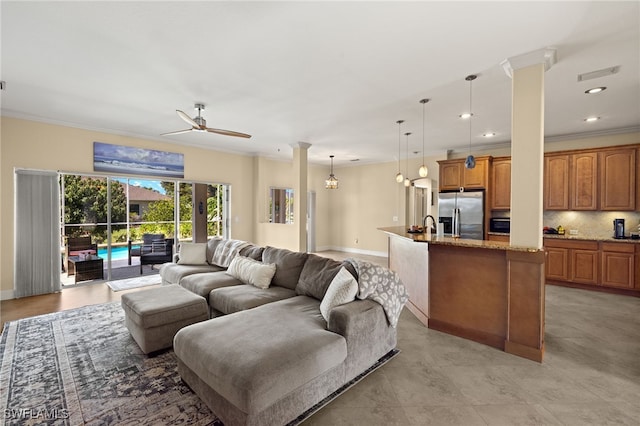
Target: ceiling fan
[{"x": 199, "y": 124}]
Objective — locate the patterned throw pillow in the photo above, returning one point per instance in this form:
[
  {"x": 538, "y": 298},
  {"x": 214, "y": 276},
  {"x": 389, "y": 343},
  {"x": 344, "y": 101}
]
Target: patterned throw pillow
[{"x": 343, "y": 289}]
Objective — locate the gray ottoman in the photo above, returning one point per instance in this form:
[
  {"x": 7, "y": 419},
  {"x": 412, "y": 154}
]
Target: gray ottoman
[{"x": 154, "y": 316}]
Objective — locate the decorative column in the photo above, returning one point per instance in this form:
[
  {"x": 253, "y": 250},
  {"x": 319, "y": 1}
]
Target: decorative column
[
  {"x": 300, "y": 151},
  {"x": 527, "y": 144}
]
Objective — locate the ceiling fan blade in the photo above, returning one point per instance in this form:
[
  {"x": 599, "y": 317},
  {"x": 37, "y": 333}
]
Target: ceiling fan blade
[
  {"x": 186, "y": 118},
  {"x": 177, "y": 132},
  {"x": 228, "y": 133}
]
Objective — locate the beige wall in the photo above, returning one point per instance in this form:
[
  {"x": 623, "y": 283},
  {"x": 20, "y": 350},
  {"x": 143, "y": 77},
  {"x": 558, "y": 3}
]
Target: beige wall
[{"x": 32, "y": 145}]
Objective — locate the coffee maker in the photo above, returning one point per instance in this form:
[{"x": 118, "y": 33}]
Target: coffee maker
[{"x": 618, "y": 228}]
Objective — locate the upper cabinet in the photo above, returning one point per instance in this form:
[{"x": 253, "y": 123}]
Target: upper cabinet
[
  {"x": 584, "y": 181},
  {"x": 618, "y": 179},
  {"x": 501, "y": 184},
  {"x": 453, "y": 174},
  {"x": 597, "y": 179},
  {"x": 556, "y": 182}
]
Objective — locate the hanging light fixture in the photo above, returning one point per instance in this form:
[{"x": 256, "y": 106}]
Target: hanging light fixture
[
  {"x": 407, "y": 182},
  {"x": 332, "y": 182},
  {"x": 423, "y": 171},
  {"x": 470, "y": 162},
  {"x": 399, "y": 177}
]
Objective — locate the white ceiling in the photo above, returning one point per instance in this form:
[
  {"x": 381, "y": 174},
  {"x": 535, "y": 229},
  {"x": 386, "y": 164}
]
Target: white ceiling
[{"x": 337, "y": 75}]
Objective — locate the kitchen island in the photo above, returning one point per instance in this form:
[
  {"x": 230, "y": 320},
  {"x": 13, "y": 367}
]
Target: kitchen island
[{"x": 487, "y": 291}]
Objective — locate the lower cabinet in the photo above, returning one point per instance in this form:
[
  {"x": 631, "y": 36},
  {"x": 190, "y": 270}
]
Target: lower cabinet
[
  {"x": 618, "y": 263},
  {"x": 606, "y": 264}
]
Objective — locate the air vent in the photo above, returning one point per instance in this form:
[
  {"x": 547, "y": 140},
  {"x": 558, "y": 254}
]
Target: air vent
[{"x": 599, "y": 73}]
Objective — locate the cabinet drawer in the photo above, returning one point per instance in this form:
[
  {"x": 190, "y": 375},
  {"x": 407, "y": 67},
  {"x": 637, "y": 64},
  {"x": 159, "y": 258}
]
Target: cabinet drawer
[
  {"x": 618, "y": 247},
  {"x": 571, "y": 244}
]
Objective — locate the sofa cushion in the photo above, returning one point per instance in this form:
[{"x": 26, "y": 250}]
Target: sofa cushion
[
  {"x": 251, "y": 251},
  {"x": 343, "y": 289},
  {"x": 242, "y": 297},
  {"x": 232, "y": 356},
  {"x": 317, "y": 274},
  {"x": 172, "y": 273},
  {"x": 289, "y": 264},
  {"x": 251, "y": 271},
  {"x": 193, "y": 254},
  {"x": 202, "y": 283}
]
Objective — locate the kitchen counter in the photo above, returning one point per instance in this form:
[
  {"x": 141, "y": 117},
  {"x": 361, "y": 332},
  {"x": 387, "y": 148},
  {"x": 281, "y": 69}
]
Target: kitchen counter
[
  {"x": 401, "y": 231},
  {"x": 486, "y": 291},
  {"x": 586, "y": 237}
]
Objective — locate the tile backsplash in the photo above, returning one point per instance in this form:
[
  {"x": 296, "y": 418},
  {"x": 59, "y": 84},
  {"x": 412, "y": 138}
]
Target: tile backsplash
[{"x": 592, "y": 224}]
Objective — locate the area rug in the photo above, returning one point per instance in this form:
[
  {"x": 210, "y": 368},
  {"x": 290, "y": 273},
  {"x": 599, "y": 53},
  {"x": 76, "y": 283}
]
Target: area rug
[
  {"x": 137, "y": 282},
  {"x": 81, "y": 367}
]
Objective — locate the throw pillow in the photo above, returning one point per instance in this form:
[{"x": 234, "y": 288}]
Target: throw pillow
[
  {"x": 343, "y": 289},
  {"x": 193, "y": 254},
  {"x": 251, "y": 271}
]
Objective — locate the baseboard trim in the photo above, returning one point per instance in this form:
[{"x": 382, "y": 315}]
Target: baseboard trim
[{"x": 6, "y": 295}]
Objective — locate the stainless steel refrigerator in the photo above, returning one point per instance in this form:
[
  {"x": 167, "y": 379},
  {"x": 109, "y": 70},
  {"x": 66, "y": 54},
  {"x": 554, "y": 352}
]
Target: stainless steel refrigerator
[{"x": 462, "y": 213}]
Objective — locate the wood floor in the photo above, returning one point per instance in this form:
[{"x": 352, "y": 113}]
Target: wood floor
[{"x": 69, "y": 298}]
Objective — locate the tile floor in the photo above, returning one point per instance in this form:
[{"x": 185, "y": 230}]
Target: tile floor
[{"x": 590, "y": 374}]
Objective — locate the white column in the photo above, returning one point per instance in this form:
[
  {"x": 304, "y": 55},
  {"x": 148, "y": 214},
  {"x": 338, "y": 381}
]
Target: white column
[
  {"x": 527, "y": 145},
  {"x": 300, "y": 170}
]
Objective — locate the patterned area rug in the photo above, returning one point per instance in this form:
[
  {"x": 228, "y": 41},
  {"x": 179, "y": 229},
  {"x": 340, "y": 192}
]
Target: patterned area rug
[
  {"x": 137, "y": 282},
  {"x": 81, "y": 367}
]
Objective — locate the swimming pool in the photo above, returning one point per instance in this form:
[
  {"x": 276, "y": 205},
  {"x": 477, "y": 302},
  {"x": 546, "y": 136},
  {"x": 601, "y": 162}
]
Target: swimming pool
[{"x": 117, "y": 253}]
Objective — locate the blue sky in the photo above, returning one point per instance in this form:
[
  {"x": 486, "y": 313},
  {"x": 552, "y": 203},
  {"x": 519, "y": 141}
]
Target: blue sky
[{"x": 153, "y": 184}]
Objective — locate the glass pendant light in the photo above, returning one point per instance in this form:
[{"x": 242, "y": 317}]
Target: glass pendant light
[
  {"x": 423, "y": 171},
  {"x": 407, "y": 182},
  {"x": 470, "y": 162},
  {"x": 399, "y": 177},
  {"x": 332, "y": 182}
]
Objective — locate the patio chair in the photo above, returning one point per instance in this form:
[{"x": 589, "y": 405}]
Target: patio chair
[
  {"x": 76, "y": 245},
  {"x": 146, "y": 246},
  {"x": 161, "y": 252}
]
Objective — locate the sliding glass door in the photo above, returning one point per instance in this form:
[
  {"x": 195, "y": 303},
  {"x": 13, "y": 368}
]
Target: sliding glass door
[{"x": 117, "y": 212}]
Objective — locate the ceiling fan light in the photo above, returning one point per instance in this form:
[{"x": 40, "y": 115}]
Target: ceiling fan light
[{"x": 423, "y": 171}]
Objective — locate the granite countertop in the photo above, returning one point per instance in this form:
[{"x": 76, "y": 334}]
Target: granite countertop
[
  {"x": 401, "y": 231},
  {"x": 585, "y": 237}
]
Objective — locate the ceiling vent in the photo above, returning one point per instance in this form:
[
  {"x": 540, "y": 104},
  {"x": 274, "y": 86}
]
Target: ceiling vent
[{"x": 599, "y": 73}]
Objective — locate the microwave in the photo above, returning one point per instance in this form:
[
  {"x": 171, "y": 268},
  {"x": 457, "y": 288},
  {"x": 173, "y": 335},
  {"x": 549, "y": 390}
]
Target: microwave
[{"x": 500, "y": 224}]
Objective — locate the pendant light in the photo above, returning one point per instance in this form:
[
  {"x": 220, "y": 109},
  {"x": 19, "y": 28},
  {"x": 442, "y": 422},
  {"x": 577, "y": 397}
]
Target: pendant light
[
  {"x": 423, "y": 171},
  {"x": 407, "y": 182},
  {"x": 332, "y": 182},
  {"x": 399, "y": 177},
  {"x": 470, "y": 162}
]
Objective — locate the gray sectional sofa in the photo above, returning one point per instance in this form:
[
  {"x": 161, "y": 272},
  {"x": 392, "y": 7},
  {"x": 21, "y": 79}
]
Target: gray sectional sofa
[{"x": 270, "y": 354}]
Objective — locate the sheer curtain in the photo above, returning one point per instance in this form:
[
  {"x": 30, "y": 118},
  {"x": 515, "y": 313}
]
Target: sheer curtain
[{"x": 37, "y": 233}]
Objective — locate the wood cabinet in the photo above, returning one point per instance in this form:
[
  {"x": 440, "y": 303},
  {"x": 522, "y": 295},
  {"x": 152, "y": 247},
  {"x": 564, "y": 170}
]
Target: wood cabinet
[
  {"x": 501, "y": 238},
  {"x": 572, "y": 261},
  {"x": 618, "y": 179},
  {"x": 618, "y": 263},
  {"x": 556, "y": 182},
  {"x": 596, "y": 179},
  {"x": 583, "y": 186},
  {"x": 453, "y": 174},
  {"x": 501, "y": 184},
  {"x": 604, "y": 264}
]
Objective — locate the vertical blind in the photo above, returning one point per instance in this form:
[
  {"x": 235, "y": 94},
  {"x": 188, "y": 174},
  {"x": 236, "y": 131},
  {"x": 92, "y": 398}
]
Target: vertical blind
[{"x": 37, "y": 233}]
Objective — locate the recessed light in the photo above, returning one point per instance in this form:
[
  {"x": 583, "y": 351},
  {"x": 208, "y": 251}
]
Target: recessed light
[
  {"x": 489, "y": 135},
  {"x": 591, "y": 119},
  {"x": 595, "y": 90},
  {"x": 465, "y": 115}
]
